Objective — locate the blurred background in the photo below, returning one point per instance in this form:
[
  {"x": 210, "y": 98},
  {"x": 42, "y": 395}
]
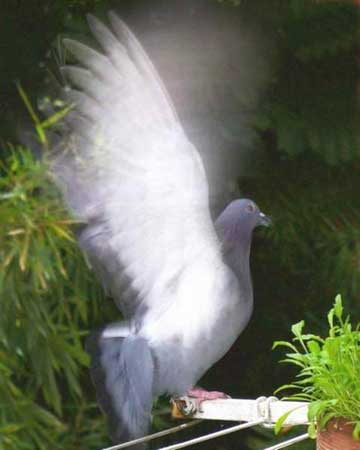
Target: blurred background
[{"x": 268, "y": 91}]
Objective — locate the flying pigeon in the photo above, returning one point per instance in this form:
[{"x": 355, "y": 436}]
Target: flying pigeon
[{"x": 181, "y": 281}]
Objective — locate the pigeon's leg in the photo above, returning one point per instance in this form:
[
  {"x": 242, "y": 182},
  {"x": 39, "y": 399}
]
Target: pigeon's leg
[
  {"x": 201, "y": 394},
  {"x": 191, "y": 403},
  {"x": 198, "y": 395}
]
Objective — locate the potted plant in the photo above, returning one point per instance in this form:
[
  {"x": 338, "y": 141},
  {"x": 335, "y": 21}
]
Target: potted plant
[{"x": 329, "y": 379}]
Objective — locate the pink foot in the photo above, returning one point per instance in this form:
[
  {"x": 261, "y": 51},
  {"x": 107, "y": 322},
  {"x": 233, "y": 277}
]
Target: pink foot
[
  {"x": 201, "y": 394},
  {"x": 197, "y": 395}
]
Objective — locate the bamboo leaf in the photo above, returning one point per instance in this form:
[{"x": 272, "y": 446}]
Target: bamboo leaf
[
  {"x": 27, "y": 103},
  {"x": 56, "y": 117},
  {"x": 24, "y": 252}
]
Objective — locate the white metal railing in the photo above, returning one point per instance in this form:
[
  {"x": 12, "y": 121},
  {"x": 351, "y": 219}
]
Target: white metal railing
[
  {"x": 263, "y": 411},
  {"x": 159, "y": 434}
]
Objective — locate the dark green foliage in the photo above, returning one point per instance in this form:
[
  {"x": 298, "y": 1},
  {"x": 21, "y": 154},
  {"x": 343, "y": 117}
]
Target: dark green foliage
[
  {"x": 313, "y": 106},
  {"x": 46, "y": 297}
]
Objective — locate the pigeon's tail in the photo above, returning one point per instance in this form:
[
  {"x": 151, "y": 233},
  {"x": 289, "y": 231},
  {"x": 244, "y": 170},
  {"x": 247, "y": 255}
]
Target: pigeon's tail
[{"x": 122, "y": 369}]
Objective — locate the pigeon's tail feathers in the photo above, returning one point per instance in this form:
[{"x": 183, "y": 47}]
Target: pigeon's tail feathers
[{"x": 122, "y": 370}]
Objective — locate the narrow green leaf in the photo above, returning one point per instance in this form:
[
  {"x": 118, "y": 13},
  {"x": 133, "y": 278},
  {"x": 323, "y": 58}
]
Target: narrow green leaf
[
  {"x": 297, "y": 328},
  {"x": 338, "y": 308},
  {"x": 312, "y": 430},
  {"x": 280, "y": 422},
  {"x": 284, "y": 344},
  {"x": 27, "y": 103},
  {"x": 356, "y": 432},
  {"x": 56, "y": 117}
]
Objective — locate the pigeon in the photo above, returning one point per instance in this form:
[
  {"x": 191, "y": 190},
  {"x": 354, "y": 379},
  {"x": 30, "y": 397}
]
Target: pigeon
[{"x": 180, "y": 280}]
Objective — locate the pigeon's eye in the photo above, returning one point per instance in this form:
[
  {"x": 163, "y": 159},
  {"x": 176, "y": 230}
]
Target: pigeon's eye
[{"x": 250, "y": 207}]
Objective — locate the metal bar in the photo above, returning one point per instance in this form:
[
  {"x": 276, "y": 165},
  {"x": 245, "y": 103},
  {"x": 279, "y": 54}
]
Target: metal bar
[
  {"x": 240, "y": 410},
  {"x": 150, "y": 437},
  {"x": 289, "y": 442},
  {"x": 214, "y": 435}
]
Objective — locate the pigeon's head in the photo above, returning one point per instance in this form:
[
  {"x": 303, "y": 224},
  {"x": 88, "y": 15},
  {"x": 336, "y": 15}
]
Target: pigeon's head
[{"x": 238, "y": 220}]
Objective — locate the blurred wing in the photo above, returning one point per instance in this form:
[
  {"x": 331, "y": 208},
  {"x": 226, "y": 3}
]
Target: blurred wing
[{"x": 131, "y": 174}]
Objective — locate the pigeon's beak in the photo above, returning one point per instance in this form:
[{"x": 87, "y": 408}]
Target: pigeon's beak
[{"x": 264, "y": 220}]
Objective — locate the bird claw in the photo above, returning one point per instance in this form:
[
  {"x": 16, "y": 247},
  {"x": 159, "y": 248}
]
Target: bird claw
[
  {"x": 199, "y": 395},
  {"x": 202, "y": 394},
  {"x": 190, "y": 404},
  {"x": 185, "y": 406}
]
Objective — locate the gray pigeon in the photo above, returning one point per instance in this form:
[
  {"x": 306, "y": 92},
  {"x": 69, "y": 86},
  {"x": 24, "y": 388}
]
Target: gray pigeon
[{"x": 181, "y": 282}]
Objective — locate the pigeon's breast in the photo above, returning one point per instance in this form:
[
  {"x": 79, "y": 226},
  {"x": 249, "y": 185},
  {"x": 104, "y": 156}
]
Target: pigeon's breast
[{"x": 199, "y": 326}]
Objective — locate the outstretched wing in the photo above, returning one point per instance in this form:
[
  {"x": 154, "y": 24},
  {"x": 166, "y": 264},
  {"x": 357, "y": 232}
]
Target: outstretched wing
[{"x": 130, "y": 173}]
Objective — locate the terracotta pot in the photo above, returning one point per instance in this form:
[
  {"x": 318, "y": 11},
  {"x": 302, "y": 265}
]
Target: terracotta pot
[{"x": 337, "y": 436}]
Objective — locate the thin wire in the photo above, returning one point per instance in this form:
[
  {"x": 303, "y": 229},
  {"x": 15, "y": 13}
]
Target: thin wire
[
  {"x": 150, "y": 437},
  {"x": 289, "y": 442},
  {"x": 214, "y": 435}
]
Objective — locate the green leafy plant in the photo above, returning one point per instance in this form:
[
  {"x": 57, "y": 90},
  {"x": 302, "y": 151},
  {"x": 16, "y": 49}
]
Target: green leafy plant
[
  {"x": 47, "y": 298},
  {"x": 329, "y": 370}
]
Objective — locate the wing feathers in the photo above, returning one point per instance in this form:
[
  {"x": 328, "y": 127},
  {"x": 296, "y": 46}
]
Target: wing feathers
[
  {"x": 131, "y": 173},
  {"x": 87, "y": 105},
  {"x": 144, "y": 64},
  {"x": 84, "y": 79},
  {"x": 99, "y": 65}
]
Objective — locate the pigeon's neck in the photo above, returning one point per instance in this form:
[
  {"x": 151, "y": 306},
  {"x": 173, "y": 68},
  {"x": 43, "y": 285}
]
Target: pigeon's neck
[
  {"x": 237, "y": 257},
  {"x": 236, "y": 242}
]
